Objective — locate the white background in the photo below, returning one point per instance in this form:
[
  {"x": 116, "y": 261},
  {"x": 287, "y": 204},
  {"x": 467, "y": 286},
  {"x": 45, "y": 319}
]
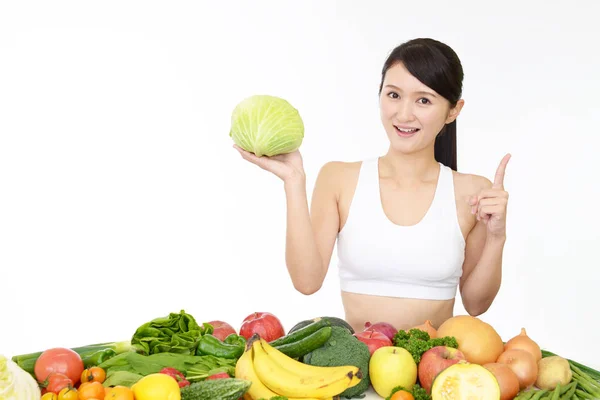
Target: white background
[{"x": 121, "y": 198}]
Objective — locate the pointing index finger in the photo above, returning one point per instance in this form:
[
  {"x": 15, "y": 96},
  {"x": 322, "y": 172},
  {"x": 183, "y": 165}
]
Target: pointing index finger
[{"x": 499, "y": 179}]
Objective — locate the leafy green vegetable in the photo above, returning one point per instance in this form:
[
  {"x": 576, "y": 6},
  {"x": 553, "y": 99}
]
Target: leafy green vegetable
[
  {"x": 175, "y": 333},
  {"x": 190, "y": 366},
  {"x": 121, "y": 378},
  {"x": 98, "y": 357},
  {"x": 417, "y": 391},
  {"x": 418, "y": 342},
  {"x": 266, "y": 125}
]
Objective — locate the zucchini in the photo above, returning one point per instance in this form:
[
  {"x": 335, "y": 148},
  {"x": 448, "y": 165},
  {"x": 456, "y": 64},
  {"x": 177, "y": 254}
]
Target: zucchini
[
  {"x": 301, "y": 333},
  {"x": 223, "y": 389},
  {"x": 307, "y": 344},
  {"x": 335, "y": 321}
]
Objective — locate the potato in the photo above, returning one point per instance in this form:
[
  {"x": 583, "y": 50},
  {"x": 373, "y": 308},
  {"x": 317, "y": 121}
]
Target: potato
[{"x": 552, "y": 371}]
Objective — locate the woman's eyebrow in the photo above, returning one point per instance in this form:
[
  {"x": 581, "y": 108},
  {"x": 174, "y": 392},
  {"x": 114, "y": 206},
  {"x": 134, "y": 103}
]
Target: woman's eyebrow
[{"x": 419, "y": 92}]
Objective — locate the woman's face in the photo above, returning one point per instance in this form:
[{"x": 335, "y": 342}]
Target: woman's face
[{"x": 412, "y": 113}]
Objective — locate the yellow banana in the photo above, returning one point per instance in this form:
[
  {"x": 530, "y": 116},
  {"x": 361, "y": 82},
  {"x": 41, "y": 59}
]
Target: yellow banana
[
  {"x": 302, "y": 369},
  {"x": 244, "y": 369},
  {"x": 289, "y": 384}
]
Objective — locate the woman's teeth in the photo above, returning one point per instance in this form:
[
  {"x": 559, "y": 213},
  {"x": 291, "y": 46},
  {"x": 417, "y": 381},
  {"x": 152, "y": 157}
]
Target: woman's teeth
[{"x": 407, "y": 131}]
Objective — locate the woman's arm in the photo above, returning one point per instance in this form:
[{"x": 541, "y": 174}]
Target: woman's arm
[
  {"x": 482, "y": 268},
  {"x": 310, "y": 236}
]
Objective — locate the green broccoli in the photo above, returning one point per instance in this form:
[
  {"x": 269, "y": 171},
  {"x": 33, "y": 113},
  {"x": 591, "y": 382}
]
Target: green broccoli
[
  {"x": 343, "y": 348},
  {"x": 418, "y": 342}
]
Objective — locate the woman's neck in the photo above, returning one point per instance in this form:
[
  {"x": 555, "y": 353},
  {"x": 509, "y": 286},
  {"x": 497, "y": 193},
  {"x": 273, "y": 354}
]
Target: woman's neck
[{"x": 409, "y": 168}]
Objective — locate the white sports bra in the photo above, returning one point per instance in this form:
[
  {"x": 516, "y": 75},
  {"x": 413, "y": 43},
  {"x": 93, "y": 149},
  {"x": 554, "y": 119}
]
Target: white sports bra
[{"x": 378, "y": 257}]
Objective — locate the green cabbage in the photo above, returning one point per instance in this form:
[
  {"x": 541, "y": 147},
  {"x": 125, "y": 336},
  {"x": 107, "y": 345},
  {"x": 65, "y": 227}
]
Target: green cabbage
[
  {"x": 15, "y": 383},
  {"x": 266, "y": 125}
]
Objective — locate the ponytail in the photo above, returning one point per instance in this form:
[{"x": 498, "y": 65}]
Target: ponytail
[{"x": 445, "y": 146}]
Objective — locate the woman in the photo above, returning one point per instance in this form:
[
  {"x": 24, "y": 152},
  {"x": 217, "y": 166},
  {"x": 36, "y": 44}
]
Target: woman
[{"x": 410, "y": 229}]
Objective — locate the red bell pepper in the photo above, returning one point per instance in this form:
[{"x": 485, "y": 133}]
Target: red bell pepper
[
  {"x": 220, "y": 375},
  {"x": 177, "y": 375}
]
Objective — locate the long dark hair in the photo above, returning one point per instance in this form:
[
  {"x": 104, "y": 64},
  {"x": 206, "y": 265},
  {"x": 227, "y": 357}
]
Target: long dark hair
[{"x": 437, "y": 66}]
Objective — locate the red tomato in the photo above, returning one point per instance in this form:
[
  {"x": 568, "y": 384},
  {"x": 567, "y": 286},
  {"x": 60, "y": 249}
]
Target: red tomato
[
  {"x": 59, "y": 360},
  {"x": 57, "y": 382}
]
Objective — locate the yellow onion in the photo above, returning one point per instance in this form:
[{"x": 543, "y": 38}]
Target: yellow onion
[
  {"x": 524, "y": 342},
  {"x": 523, "y": 365}
]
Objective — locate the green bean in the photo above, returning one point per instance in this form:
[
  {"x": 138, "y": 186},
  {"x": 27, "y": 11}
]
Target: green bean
[
  {"x": 539, "y": 394},
  {"x": 526, "y": 395},
  {"x": 570, "y": 392},
  {"x": 556, "y": 392}
]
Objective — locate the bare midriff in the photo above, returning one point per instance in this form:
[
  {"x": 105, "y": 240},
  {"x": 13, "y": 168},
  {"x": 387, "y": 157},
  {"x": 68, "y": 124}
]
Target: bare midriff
[{"x": 402, "y": 313}]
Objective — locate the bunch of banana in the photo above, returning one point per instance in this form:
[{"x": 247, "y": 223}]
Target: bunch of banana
[{"x": 273, "y": 373}]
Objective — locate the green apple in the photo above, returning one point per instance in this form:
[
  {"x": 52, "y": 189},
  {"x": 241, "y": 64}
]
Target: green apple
[{"x": 392, "y": 366}]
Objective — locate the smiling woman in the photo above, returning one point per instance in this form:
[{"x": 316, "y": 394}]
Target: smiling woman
[{"x": 411, "y": 230}]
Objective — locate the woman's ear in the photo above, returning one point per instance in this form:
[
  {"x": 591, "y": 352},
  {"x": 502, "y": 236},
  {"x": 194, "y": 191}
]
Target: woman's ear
[{"x": 453, "y": 114}]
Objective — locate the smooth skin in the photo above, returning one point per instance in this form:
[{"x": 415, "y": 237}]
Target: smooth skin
[{"x": 408, "y": 175}]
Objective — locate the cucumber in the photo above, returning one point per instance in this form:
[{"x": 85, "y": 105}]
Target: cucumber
[
  {"x": 307, "y": 344},
  {"x": 333, "y": 320},
  {"x": 223, "y": 389},
  {"x": 301, "y": 333}
]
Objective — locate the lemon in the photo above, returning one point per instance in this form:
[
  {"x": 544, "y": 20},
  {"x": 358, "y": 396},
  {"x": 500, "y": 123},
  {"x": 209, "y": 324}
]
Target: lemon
[{"x": 156, "y": 387}]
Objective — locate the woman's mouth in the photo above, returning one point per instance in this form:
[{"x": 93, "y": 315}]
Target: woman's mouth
[{"x": 405, "y": 131}]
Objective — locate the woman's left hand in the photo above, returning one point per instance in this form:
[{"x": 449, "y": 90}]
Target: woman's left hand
[{"x": 489, "y": 205}]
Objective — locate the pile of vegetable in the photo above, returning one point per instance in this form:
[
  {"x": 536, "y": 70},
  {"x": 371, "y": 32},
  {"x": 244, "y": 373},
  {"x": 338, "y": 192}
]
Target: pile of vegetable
[
  {"x": 174, "y": 357},
  {"x": 163, "y": 357}
]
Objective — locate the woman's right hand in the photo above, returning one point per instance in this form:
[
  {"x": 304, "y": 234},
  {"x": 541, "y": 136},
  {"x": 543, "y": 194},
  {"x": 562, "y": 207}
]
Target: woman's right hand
[{"x": 288, "y": 167}]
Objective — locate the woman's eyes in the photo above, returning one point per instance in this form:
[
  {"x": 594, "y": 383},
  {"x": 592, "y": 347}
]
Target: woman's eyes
[{"x": 422, "y": 100}]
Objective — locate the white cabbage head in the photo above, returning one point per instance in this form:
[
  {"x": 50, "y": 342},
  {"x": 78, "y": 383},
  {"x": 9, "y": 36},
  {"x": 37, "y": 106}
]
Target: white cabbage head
[
  {"x": 266, "y": 126},
  {"x": 15, "y": 383}
]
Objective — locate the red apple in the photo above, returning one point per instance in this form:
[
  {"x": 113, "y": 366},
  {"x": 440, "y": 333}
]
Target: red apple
[
  {"x": 434, "y": 361},
  {"x": 267, "y": 326},
  {"x": 373, "y": 339},
  {"x": 221, "y": 329},
  {"x": 383, "y": 327}
]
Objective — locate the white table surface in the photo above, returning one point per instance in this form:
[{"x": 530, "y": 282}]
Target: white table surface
[{"x": 372, "y": 395}]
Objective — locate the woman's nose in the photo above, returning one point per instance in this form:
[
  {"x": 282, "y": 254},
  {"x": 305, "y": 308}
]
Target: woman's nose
[{"x": 404, "y": 112}]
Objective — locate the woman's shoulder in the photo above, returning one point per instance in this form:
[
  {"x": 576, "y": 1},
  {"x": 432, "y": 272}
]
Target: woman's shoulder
[
  {"x": 339, "y": 175},
  {"x": 470, "y": 183},
  {"x": 340, "y": 167}
]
